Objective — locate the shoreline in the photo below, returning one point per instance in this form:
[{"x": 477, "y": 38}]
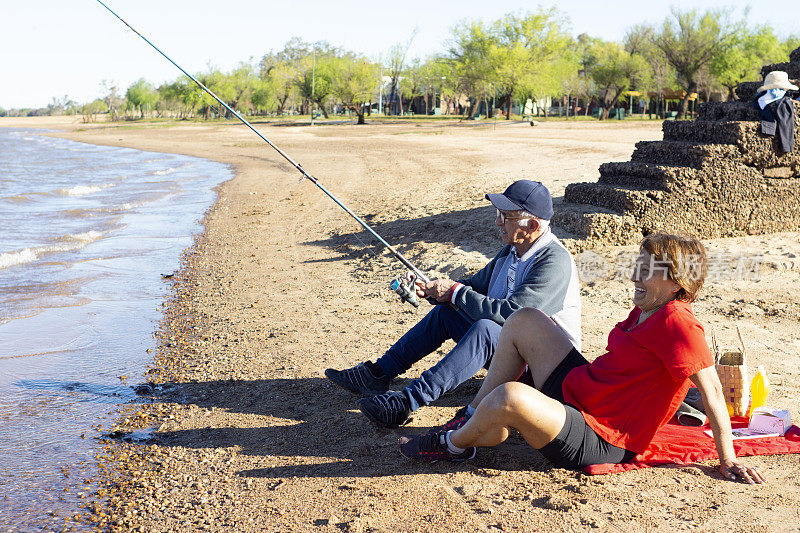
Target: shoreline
[{"x": 279, "y": 285}]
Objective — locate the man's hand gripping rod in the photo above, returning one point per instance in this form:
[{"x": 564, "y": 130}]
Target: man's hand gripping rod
[{"x": 407, "y": 291}]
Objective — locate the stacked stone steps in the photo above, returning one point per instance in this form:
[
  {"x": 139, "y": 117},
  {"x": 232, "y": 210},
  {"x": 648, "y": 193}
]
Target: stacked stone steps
[
  {"x": 703, "y": 131},
  {"x": 727, "y": 111},
  {"x": 682, "y": 153},
  {"x": 640, "y": 175},
  {"x": 580, "y": 226},
  {"x": 620, "y": 200}
]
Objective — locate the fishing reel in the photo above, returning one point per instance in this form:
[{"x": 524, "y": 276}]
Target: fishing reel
[{"x": 407, "y": 290}]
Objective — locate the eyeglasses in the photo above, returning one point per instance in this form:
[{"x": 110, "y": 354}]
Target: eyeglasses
[{"x": 503, "y": 217}]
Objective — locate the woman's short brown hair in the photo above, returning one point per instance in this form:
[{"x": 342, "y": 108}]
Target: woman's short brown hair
[{"x": 685, "y": 258}]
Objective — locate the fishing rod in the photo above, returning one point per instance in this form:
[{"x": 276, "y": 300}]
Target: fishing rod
[{"x": 406, "y": 288}]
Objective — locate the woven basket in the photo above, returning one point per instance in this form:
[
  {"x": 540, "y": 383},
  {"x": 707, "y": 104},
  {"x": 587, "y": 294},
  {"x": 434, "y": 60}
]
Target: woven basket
[
  {"x": 733, "y": 375},
  {"x": 731, "y": 365}
]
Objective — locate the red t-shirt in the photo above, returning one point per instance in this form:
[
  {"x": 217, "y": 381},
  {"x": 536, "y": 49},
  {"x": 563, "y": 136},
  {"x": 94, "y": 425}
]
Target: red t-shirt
[{"x": 632, "y": 390}]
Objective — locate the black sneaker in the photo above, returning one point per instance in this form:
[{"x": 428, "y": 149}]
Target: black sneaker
[
  {"x": 432, "y": 447},
  {"x": 359, "y": 380},
  {"x": 461, "y": 417},
  {"x": 388, "y": 410}
]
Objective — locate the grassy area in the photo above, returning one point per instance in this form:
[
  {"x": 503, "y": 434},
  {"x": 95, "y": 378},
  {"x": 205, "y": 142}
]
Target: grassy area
[{"x": 374, "y": 119}]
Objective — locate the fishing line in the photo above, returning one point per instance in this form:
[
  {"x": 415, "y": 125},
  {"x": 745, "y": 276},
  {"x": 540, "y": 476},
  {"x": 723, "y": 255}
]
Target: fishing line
[{"x": 396, "y": 285}]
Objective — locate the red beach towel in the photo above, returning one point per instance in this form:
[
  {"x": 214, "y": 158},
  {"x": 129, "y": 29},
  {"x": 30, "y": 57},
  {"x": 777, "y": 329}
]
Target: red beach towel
[{"x": 676, "y": 444}]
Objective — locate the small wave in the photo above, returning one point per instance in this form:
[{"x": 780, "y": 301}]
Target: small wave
[
  {"x": 80, "y": 190},
  {"x": 83, "y": 190},
  {"x": 87, "y": 237},
  {"x": 165, "y": 171},
  {"x": 69, "y": 243},
  {"x": 10, "y": 259},
  {"x": 169, "y": 170},
  {"x": 18, "y": 199}
]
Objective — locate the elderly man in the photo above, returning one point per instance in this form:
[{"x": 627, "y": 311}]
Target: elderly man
[{"x": 532, "y": 270}]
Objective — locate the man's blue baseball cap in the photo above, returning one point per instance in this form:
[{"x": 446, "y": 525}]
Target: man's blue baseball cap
[{"x": 528, "y": 195}]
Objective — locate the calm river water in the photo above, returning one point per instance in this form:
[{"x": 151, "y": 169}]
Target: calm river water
[{"x": 85, "y": 234}]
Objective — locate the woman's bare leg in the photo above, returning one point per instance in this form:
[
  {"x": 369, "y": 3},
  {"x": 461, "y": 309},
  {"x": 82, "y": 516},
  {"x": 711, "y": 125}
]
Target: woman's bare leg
[
  {"x": 528, "y": 337},
  {"x": 537, "y": 417}
]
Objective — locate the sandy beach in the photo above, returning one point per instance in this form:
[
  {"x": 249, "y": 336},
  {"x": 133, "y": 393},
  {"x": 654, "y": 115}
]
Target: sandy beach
[{"x": 248, "y": 435}]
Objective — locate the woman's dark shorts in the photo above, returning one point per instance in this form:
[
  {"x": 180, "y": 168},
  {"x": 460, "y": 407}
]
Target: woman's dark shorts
[{"x": 576, "y": 445}]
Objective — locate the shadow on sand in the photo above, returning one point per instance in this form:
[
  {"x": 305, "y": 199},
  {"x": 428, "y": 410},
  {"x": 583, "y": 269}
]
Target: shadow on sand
[
  {"x": 318, "y": 427},
  {"x": 470, "y": 230}
]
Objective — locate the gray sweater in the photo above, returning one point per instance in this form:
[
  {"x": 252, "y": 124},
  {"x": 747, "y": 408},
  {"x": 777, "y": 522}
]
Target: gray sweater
[{"x": 547, "y": 280}]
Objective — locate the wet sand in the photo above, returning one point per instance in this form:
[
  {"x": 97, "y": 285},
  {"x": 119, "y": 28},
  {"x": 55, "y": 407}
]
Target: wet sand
[{"x": 249, "y": 436}]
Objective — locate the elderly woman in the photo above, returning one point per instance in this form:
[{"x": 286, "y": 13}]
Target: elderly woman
[{"x": 606, "y": 411}]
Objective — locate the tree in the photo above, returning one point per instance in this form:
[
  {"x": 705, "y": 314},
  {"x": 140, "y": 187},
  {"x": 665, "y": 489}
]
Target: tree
[
  {"x": 791, "y": 44},
  {"x": 282, "y": 78},
  {"x": 614, "y": 72},
  {"x": 444, "y": 81},
  {"x": 659, "y": 74},
  {"x": 264, "y": 95},
  {"x": 240, "y": 85},
  {"x": 61, "y": 106},
  {"x": 529, "y": 49},
  {"x": 92, "y": 109},
  {"x": 691, "y": 42},
  {"x": 283, "y": 68},
  {"x": 174, "y": 97},
  {"x": 288, "y": 69},
  {"x": 414, "y": 83},
  {"x": 315, "y": 79},
  {"x": 186, "y": 93},
  {"x": 355, "y": 82},
  {"x": 395, "y": 62},
  {"x": 749, "y": 50},
  {"x": 220, "y": 84},
  {"x": 141, "y": 96},
  {"x": 112, "y": 99},
  {"x": 472, "y": 60}
]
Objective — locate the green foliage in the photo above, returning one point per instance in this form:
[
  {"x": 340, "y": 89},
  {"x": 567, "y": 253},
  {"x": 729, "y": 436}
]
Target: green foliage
[
  {"x": 523, "y": 55},
  {"x": 472, "y": 59},
  {"x": 615, "y": 70},
  {"x": 355, "y": 82},
  {"x": 534, "y": 54},
  {"x": 692, "y": 42},
  {"x": 747, "y": 52},
  {"x": 112, "y": 99},
  {"x": 316, "y": 78},
  {"x": 58, "y": 106},
  {"x": 658, "y": 73},
  {"x": 141, "y": 96},
  {"x": 92, "y": 109},
  {"x": 264, "y": 96},
  {"x": 791, "y": 44},
  {"x": 396, "y": 64},
  {"x": 520, "y": 56}
]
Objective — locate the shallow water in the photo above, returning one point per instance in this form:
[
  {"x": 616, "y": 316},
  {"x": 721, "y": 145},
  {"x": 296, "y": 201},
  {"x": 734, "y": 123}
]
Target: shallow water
[{"x": 85, "y": 234}]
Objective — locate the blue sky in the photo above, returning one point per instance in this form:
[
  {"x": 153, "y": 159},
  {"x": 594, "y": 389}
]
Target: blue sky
[{"x": 68, "y": 47}]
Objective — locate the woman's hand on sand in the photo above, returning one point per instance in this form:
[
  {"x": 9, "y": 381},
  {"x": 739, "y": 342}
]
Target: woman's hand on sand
[{"x": 736, "y": 471}]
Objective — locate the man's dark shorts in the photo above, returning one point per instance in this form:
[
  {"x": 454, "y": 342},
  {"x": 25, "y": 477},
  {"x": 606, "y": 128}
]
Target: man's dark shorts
[{"x": 576, "y": 445}]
